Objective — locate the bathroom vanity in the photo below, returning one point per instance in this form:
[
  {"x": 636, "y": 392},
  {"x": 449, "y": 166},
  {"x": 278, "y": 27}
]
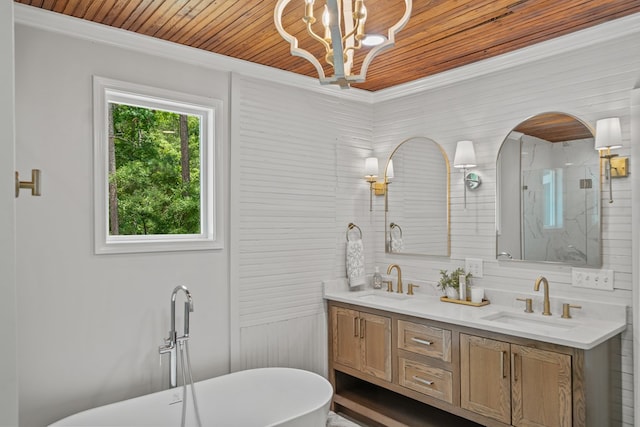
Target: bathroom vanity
[{"x": 401, "y": 360}]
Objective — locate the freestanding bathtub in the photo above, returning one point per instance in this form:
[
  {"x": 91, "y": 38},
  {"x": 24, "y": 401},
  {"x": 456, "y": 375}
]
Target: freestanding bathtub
[{"x": 252, "y": 398}]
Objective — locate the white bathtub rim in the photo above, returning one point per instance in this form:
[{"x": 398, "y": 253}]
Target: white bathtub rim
[{"x": 324, "y": 396}]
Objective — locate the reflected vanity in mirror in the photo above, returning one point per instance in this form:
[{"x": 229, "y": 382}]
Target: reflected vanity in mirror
[
  {"x": 548, "y": 193},
  {"x": 417, "y": 199}
]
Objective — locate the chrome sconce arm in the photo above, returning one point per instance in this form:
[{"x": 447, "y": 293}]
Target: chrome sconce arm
[{"x": 464, "y": 158}]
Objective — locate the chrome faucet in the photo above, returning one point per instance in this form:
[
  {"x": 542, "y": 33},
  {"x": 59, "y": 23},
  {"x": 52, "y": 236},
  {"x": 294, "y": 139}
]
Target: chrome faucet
[
  {"x": 546, "y": 309},
  {"x": 170, "y": 344},
  {"x": 397, "y": 267}
]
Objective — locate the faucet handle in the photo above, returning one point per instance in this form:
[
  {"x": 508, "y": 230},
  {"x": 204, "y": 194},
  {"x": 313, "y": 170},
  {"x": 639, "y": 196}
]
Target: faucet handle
[
  {"x": 566, "y": 310},
  {"x": 528, "y": 304},
  {"x": 411, "y": 287},
  {"x": 389, "y": 285}
]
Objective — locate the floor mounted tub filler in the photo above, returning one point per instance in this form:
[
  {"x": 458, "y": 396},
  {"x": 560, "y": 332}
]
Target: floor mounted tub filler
[{"x": 253, "y": 398}]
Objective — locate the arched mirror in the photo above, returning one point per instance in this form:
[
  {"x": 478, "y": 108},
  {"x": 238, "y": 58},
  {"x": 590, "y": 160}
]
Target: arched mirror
[
  {"x": 417, "y": 199},
  {"x": 548, "y": 192}
]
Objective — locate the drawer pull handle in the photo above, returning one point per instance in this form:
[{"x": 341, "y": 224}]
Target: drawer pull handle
[
  {"x": 423, "y": 381},
  {"x": 419, "y": 341}
]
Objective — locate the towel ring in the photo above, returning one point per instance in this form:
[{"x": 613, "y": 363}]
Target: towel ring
[
  {"x": 350, "y": 227},
  {"x": 393, "y": 225}
]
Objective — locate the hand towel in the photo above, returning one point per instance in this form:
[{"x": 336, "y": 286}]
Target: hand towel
[
  {"x": 355, "y": 263},
  {"x": 397, "y": 245}
]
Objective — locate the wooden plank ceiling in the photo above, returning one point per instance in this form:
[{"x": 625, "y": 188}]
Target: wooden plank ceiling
[
  {"x": 555, "y": 127},
  {"x": 441, "y": 34}
]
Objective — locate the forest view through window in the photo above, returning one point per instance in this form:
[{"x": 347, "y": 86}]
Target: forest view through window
[{"x": 154, "y": 171}]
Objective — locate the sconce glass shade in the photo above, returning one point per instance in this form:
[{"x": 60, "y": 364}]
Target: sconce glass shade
[
  {"x": 608, "y": 133},
  {"x": 389, "y": 172},
  {"x": 465, "y": 156},
  {"x": 371, "y": 167}
]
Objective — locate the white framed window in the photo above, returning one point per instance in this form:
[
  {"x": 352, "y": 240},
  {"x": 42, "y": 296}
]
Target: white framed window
[
  {"x": 157, "y": 169},
  {"x": 552, "y": 185}
]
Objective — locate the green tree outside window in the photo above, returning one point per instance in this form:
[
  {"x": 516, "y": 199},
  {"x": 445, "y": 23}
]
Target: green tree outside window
[{"x": 154, "y": 171}]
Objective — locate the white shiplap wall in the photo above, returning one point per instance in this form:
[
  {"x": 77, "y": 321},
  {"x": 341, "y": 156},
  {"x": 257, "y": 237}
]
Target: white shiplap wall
[
  {"x": 295, "y": 159},
  {"x": 591, "y": 82}
]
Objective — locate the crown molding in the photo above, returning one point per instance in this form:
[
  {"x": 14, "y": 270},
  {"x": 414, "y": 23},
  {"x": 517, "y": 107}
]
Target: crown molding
[
  {"x": 611, "y": 30},
  {"x": 80, "y": 28}
]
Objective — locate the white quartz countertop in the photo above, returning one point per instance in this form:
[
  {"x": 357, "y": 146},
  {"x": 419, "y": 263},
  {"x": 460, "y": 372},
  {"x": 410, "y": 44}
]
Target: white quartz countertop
[{"x": 583, "y": 331}]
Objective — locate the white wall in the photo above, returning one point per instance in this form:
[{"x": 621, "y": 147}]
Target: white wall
[
  {"x": 90, "y": 325},
  {"x": 591, "y": 83},
  {"x": 8, "y": 363}
]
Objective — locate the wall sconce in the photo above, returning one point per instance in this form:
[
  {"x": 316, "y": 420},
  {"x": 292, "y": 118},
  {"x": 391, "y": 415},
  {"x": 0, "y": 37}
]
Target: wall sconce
[
  {"x": 370, "y": 175},
  {"x": 464, "y": 158},
  {"x": 609, "y": 136}
]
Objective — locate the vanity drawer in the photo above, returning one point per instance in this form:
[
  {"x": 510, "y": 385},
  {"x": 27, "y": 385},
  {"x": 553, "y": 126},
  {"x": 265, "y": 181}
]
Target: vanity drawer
[
  {"x": 424, "y": 340},
  {"x": 426, "y": 379}
]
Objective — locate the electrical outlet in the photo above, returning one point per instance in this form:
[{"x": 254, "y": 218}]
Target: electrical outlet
[
  {"x": 473, "y": 266},
  {"x": 591, "y": 278}
]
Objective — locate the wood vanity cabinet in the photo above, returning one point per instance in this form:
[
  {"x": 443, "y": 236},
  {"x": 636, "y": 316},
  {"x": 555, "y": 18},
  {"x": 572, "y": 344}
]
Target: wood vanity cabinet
[
  {"x": 392, "y": 369},
  {"x": 362, "y": 341},
  {"x": 515, "y": 384}
]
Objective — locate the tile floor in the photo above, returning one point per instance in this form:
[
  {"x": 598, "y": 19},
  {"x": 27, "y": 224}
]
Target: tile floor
[{"x": 335, "y": 420}]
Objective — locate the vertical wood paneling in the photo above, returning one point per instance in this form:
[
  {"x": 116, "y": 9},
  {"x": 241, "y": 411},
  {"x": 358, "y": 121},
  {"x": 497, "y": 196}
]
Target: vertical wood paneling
[
  {"x": 299, "y": 342},
  {"x": 591, "y": 83}
]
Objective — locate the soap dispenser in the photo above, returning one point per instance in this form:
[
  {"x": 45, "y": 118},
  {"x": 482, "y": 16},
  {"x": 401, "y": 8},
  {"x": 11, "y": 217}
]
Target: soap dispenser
[{"x": 377, "y": 279}]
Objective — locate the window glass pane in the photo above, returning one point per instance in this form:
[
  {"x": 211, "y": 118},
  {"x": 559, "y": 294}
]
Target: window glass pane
[
  {"x": 154, "y": 171},
  {"x": 552, "y": 182}
]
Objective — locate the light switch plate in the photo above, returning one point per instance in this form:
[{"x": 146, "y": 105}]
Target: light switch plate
[
  {"x": 592, "y": 279},
  {"x": 473, "y": 266}
]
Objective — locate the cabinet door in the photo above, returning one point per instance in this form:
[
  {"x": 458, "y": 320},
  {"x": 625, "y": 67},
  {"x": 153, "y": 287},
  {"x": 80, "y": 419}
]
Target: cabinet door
[
  {"x": 484, "y": 377},
  {"x": 375, "y": 346},
  {"x": 541, "y": 387},
  {"x": 345, "y": 330}
]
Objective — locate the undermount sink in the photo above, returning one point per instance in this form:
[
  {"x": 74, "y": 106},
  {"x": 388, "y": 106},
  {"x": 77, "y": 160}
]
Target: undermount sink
[
  {"x": 381, "y": 296},
  {"x": 529, "y": 321}
]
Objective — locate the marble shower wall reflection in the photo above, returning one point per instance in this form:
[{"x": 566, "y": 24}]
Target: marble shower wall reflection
[{"x": 560, "y": 203}]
